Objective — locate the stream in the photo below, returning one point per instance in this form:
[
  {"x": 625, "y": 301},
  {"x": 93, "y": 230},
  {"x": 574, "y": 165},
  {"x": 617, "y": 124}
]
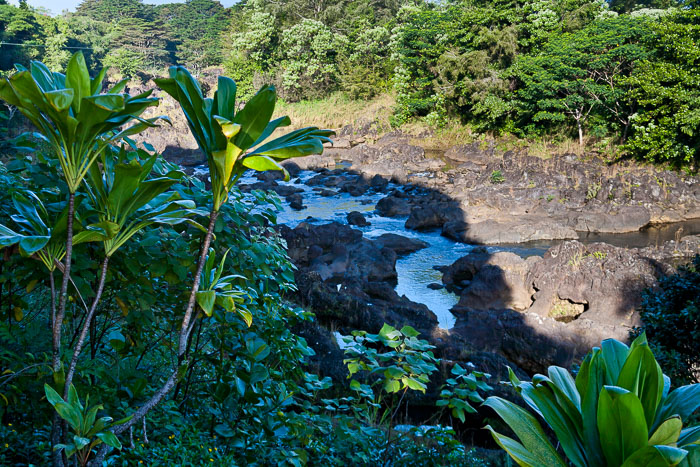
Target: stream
[{"x": 416, "y": 270}]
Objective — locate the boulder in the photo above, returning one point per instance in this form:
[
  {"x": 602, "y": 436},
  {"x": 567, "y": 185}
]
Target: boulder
[
  {"x": 431, "y": 216},
  {"x": 399, "y": 244},
  {"x": 356, "y": 218},
  {"x": 598, "y": 282},
  {"x": 393, "y": 206},
  {"x": 295, "y": 201},
  {"x": 490, "y": 281}
]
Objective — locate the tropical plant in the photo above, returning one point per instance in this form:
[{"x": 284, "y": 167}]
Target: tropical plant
[
  {"x": 618, "y": 411},
  {"x": 670, "y": 314},
  {"x": 393, "y": 361},
  {"x": 218, "y": 290},
  {"x": 125, "y": 201},
  {"x": 461, "y": 388},
  {"x": 236, "y": 141},
  {"x": 89, "y": 431},
  {"x": 79, "y": 123},
  {"x": 233, "y": 142}
]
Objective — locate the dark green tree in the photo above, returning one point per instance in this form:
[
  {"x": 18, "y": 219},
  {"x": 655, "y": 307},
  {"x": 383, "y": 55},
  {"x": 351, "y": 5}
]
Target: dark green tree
[
  {"x": 666, "y": 128},
  {"x": 19, "y": 26},
  {"x": 195, "y": 29}
]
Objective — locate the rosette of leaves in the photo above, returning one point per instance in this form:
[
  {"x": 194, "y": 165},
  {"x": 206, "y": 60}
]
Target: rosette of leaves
[
  {"x": 126, "y": 198},
  {"x": 235, "y": 141},
  {"x": 72, "y": 115},
  {"x": 618, "y": 411},
  {"x": 34, "y": 232},
  {"x": 88, "y": 430}
]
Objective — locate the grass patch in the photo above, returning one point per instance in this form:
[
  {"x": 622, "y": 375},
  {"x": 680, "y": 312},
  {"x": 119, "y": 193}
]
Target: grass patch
[{"x": 338, "y": 110}]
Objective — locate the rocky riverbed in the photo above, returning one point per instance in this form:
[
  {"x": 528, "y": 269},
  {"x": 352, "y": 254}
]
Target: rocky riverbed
[
  {"x": 508, "y": 266},
  {"x": 484, "y": 252}
]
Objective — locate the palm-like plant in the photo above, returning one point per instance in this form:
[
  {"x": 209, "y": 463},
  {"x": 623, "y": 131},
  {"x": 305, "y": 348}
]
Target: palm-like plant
[
  {"x": 619, "y": 411},
  {"x": 125, "y": 201},
  {"x": 72, "y": 115},
  {"x": 232, "y": 142},
  {"x": 79, "y": 123}
]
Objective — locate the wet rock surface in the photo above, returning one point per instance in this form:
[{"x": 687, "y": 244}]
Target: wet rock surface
[{"x": 533, "y": 312}]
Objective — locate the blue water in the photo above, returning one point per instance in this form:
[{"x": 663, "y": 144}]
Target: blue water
[{"x": 415, "y": 271}]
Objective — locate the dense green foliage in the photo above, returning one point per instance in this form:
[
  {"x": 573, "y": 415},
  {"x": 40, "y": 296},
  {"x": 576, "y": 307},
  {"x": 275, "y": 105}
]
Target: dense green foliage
[
  {"x": 671, "y": 316},
  {"x": 620, "y": 72},
  {"x": 618, "y": 411},
  {"x": 122, "y": 227}
]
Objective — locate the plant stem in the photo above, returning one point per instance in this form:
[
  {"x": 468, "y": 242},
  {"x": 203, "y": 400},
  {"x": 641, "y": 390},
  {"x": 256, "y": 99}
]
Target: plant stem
[
  {"x": 64, "y": 286},
  {"x": 53, "y": 300},
  {"x": 58, "y": 322},
  {"x": 86, "y": 327},
  {"x": 186, "y": 326},
  {"x": 185, "y": 329}
]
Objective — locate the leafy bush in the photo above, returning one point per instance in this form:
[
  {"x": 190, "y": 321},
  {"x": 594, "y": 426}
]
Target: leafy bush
[
  {"x": 667, "y": 89},
  {"x": 671, "y": 316},
  {"x": 619, "y": 411}
]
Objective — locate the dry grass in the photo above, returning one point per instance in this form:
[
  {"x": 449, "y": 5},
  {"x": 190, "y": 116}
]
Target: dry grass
[
  {"x": 441, "y": 138},
  {"x": 338, "y": 110}
]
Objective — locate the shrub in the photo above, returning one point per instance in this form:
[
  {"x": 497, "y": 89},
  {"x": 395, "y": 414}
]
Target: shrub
[
  {"x": 671, "y": 316},
  {"x": 619, "y": 411}
]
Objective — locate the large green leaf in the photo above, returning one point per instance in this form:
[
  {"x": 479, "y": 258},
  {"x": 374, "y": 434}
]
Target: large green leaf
[
  {"x": 589, "y": 382},
  {"x": 621, "y": 424},
  {"x": 561, "y": 415},
  {"x": 110, "y": 439},
  {"x": 656, "y": 456},
  {"x": 69, "y": 414},
  {"x": 689, "y": 436},
  {"x": 52, "y": 396},
  {"x": 255, "y": 116},
  {"x": 667, "y": 433},
  {"x": 264, "y": 163},
  {"x": 97, "y": 232},
  {"x": 642, "y": 375},
  {"x": 126, "y": 180},
  {"x": 693, "y": 457},
  {"x": 681, "y": 401},
  {"x": 206, "y": 300},
  {"x": 615, "y": 353},
  {"x": 78, "y": 78},
  {"x": 226, "y": 98},
  {"x": 562, "y": 379},
  {"x": 528, "y": 431},
  {"x": 517, "y": 451}
]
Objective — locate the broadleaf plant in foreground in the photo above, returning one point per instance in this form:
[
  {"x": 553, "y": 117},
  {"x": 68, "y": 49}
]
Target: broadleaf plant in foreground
[
  {"x": 232, "y": 142},
  {"x": 618, "y": 411},
  {"x": 79, "y": 123}
]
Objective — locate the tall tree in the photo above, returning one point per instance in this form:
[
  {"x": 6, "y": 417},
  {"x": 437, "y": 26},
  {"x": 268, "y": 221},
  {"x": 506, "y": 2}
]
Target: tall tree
[
  {"x": 195, "y": 28},
  {"x": 19, "y": 27}
]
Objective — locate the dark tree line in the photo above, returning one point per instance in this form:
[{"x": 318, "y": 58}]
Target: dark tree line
[{"x": 619, "y": 73}]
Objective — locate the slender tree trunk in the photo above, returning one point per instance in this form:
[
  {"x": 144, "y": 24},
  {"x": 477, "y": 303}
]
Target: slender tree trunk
[
  {"x": 626, "y": 130},
  {"x": 63, "y": 297},
  {"x": 185, "y": 330},
  {"x": 86, "y": 327},
  {"x": 53, "y": 300},
  {"x": 186, "y": 325},
  {"x": 580, "y": 133},
  {"x": 58, "y": 322}
]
